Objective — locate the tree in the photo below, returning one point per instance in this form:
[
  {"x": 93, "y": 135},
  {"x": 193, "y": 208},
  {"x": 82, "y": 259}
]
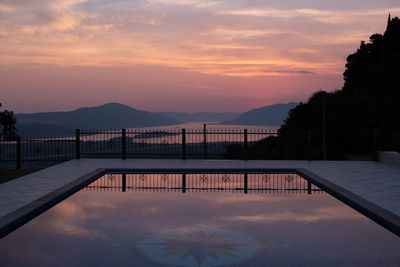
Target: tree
[
  {"x": 369, "y": 100},
  {"x": 7, "y": 123}
]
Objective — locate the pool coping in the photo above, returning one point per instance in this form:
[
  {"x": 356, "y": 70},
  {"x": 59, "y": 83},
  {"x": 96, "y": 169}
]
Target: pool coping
[{"x": 19, "y": 217}]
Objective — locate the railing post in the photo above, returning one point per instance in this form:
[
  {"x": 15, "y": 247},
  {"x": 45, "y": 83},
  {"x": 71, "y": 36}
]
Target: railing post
[
  {"x": 77, "y": 144},
  {"x": 309, "y": 146},
  {"x": 309, "y": 187},
  {"x": 246, "y": 152},
  {"x": 183, "y": 143},
  {"x": 245, "y": 183},
  {"x": 123, "y": 143},
  {"x": 183, "y": 182},
  {"x": 18, "y": 153},
  {"x": 124, "y": 182},
  {"x": 205, "y": 141}
]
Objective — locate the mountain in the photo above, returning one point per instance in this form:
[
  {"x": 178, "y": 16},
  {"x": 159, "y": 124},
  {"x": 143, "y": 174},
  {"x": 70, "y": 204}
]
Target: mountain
[
  {"x": 267, "y": 115},
  {"x": 108, "y": 116},
  {"x": 201, "y": 116},
  {"x": 118, "y": 116}
]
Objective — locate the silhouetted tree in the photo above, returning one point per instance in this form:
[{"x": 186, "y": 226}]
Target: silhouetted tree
[
  {"x": 368, "y": 100},
  {"x": 7, "y": 123}
]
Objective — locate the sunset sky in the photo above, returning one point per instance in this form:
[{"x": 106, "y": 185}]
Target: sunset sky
[{"x": 178, "y": 55}]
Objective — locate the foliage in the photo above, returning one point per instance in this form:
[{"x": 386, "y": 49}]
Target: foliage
[
  {"x": 368, "y": 100},
  {"x": 7, "y": 123}
]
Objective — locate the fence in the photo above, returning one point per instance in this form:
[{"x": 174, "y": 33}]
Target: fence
[
  {"x": 189, "y": 144},
  {"x": 36, "y": 152},
  {"x": 129, "y": 143},
  {"x": 175, "y": 144},
  {"x": 205, "y": 182}
]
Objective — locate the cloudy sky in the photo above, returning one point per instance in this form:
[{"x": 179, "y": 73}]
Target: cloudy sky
[{"x": 178, "y": 55}]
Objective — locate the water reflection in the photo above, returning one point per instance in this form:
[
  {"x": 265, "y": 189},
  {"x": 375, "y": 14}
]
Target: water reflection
[
  {"x": 153, "y": 224},
  {"x": 207, "y": 182},
  {"x": 199, "y": 247}
]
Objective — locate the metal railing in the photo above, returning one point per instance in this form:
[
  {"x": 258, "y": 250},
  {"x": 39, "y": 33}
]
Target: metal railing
[
  {"x": 205, "y": 182},
  {"x": 189, "y": 144},
  {"x": 128, "y": 143},
  {"x": 41, "y": 151},
  {"x": 173, "y": 144}
]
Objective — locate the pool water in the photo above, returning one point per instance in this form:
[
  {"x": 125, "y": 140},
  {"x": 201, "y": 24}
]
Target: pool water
[{"x": 200, "y": 219}]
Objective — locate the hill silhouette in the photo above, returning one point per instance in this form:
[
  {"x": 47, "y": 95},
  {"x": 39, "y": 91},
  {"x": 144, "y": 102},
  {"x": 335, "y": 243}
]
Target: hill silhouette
[
  {"x": 267, "y": 115},
  {"x": 108, "y": 116}
]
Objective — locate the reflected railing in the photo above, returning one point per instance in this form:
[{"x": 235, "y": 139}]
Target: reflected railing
[{"x": 205, "y": 182}]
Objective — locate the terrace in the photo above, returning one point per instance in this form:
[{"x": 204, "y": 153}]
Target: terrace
[
  {"x": 372, "y": 187},
  {"x": 174, "y": 161}
]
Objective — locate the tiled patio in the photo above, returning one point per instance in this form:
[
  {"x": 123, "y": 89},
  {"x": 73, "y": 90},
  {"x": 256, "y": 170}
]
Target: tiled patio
[{"x": 376, "y": 182}]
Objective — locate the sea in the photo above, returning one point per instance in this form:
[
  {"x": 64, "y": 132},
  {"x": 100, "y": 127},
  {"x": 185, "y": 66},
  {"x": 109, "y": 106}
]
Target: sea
[{"x": 211, "y": 125}]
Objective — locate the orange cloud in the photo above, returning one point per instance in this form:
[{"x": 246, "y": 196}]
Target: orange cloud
[{"x": 150, "y": 35}]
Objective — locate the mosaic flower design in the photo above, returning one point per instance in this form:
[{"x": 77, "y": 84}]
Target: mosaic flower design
[
  {"x": 226, "y": 178},
  {"x": 198, "y": 247},
  {"x": 164, "y": 142},
  {"x": 203, "y": 178},
  {"x": 164, "y": 178},
  {"x": 142, "y": 177},
  {"x": 289, "y": 178}
]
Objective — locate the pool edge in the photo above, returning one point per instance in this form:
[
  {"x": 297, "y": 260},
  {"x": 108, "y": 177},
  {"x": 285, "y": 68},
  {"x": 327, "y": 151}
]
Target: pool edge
[
  {"x": 19, "y": 217},
  {"x": 383, "y": 217}
]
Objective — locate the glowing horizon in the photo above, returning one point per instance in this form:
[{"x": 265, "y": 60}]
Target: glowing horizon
[{"x": 164, "y": 55}]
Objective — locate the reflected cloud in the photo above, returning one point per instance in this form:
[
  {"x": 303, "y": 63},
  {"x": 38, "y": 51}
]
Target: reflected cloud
[
  {"x": 311, "y": 216},
  {"x": 251, "y": 199},
  {"x": 70, "y": 217},
  {"x": 99, "y": 228}
]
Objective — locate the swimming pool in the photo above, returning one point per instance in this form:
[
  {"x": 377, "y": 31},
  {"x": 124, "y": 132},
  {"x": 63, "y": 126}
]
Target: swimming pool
[{"x": 199, "y": 218}]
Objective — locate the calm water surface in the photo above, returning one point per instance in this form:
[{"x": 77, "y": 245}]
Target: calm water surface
[
  {"x": 152, "y": 223},
  {"x": 213, "y": 125}
]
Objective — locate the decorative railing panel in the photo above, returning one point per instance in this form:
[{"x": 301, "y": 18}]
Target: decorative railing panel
[{"x": 205, "y": 182}]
